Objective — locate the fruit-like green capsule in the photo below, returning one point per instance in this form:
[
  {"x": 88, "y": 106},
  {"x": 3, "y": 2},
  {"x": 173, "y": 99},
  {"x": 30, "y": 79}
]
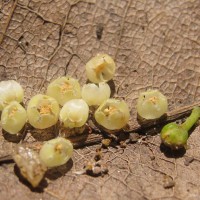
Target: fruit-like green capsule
[
  {"x": 10, "y": 91},
  {"x": 175, "y": 136},
  {"x": 95, "y": 94},
  {"x": 64, "y": 89},
  {"x": 74, "y": 113},
  {"x": 151, "y": 104},
  {"x": 100, "y": 68},
  {"x": 56, "y": 152},
  {"x": 42, "y": 111},
  {"x": 112, "y": 114},
  {"x": 13, "y": 118}
]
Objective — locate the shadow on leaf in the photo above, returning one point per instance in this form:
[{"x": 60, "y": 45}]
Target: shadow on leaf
[
  {"x": 39, "y": 189},
  {"x": 60, "y": 171},
  {"x": 169, "y": 153}
]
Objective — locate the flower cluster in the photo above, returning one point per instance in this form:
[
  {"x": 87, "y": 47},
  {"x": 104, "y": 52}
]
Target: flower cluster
[{"x": 65, "y": 104}]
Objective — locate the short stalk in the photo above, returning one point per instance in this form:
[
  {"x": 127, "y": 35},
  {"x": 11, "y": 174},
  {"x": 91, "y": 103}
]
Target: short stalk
[{"x": 192, "y": 119}]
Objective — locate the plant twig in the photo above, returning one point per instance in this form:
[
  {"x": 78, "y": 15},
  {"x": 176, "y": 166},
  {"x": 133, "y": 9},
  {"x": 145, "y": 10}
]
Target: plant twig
[
  {"x": 93, "y": 138},
  {"x": 96, "y": 138}
]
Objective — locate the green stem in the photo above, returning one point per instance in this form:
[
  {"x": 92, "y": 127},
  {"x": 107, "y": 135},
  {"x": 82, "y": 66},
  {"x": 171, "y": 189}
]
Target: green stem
[{"x": 192, "y": 119}]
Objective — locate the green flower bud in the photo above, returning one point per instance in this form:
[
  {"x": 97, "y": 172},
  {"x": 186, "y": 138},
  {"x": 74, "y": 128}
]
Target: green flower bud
[{"x": 175, "y": 136}]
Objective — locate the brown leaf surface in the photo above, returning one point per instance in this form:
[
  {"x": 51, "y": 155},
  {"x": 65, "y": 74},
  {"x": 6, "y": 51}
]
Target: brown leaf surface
[{"x": 155, "y": 43}]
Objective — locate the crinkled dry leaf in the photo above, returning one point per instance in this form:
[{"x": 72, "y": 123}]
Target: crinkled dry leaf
[
  {"x": 29, "y": 164},
  {"x": 156, "y": 44}
]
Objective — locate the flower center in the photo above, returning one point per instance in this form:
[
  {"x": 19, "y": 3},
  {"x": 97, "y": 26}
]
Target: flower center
[
  {"x": 13, "y": 111},
  {"x": 58, "y": 148},
  {"x": 153, "y": 100},
  {"x": 65, "y": 87},
  {"x": 45, "y": 109},
  {"x": 109, "y": 110}
]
